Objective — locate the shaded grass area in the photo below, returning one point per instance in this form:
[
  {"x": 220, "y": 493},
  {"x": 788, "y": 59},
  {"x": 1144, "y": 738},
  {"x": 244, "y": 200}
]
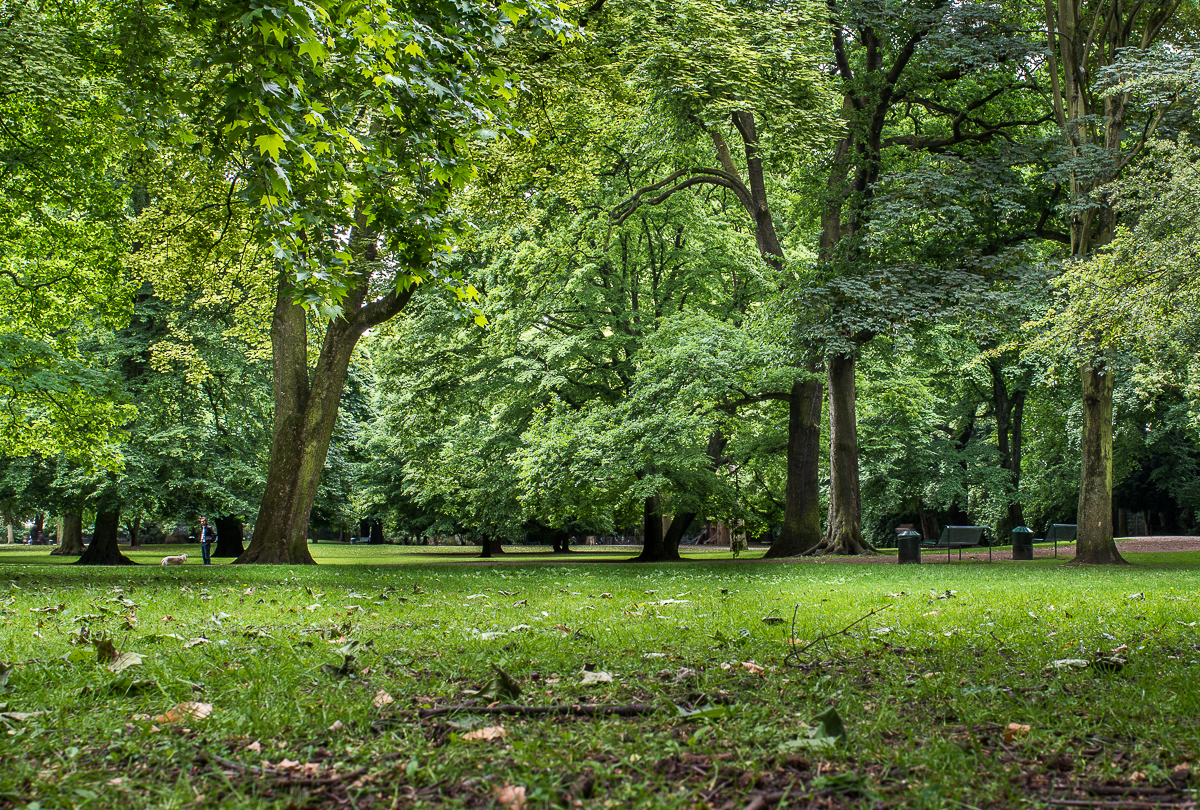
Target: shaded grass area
[{"x": 927, "y": 686}]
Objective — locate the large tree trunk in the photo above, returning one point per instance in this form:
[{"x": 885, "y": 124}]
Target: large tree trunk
[
  {"x": 375, "y": 538},
  {"x": 802, "y": 495},
  {"x": 560, "y": 541},
  {"x": 653, "y": 547},
  {"x": 70, "y": 542},
  {"x": 103, "y": 550},
  {"x": 230, "y": 537},
  {"x": 490, "y": 548},
  {"x": 135, "y": 532},
  {"x": 1094, "y": 544},
  {"x": 844, "y": 534}
]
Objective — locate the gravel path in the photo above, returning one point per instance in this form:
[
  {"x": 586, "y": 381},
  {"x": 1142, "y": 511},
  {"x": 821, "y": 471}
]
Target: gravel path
[{"x": 1066, "y": 551}]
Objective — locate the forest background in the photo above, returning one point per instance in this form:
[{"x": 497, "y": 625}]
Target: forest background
[{"x": 540, "y": 270}]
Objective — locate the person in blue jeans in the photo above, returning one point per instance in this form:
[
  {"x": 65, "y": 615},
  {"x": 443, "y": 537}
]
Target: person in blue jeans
[{"x": 207, "y": 535}]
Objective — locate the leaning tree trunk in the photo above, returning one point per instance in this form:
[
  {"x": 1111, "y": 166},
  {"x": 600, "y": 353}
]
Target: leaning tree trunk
[
  {"x": 653, "y": 547},
  {"x": 306, "y": 407},
  {"x": 103, "y": 550},
  {"x": 801, "y": 530},
  {"x": 70, "y": 544},
  {"x": 844, "y": 534},
  {"x": 1094, "y": 543},
  {"x": 230, "y": 537}
]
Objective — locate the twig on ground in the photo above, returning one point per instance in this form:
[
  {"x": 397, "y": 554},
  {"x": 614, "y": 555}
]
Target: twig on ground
[
  {"x": 577, "y": 710},
  {"x": 793, "y": 656},
  {"x": 764, "y": 800}
]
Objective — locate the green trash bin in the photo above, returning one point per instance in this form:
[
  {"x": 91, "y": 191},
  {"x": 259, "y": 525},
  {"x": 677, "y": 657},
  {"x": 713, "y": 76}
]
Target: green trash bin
[
  {"x": 909, "y": 545},
  {"x": 1022, "y": 543}
]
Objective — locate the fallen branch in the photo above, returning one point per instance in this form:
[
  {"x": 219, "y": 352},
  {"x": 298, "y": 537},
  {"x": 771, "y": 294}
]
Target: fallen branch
[
  {"x": 577, "y": 710},
  {"x": 795, "y": 652},
  {"x": 764, "y": 800}
]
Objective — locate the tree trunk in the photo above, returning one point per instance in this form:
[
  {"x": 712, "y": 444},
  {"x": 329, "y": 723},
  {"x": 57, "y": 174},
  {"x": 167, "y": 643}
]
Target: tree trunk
[
  {"x": 1008, "y": 409},
  {"x": 1094, "y": 544},
  {"x": 674, "y": 534},
  {"x": 375, "y": 538},
  {"x": 70, "y": 541},
  {"x": 653, "y": 546},
  {"x": 230, "y": 537},
  {"x": 8, "y": 522},
  {"x": 1016, "y": 512},
  {"x": 802, "y": 495},
  {"x": 560, "y": 541},
  {"x": 305, "y": 414},
  {"x": 135, "y": 532},
  {"x": 103, "y": 550},
  {"x": 490, "y": 548},
  {"x": 844, "y": 534}
]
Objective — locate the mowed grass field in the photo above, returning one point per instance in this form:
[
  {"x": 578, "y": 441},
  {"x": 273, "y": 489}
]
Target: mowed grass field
[{"x": 305, "y": 687}]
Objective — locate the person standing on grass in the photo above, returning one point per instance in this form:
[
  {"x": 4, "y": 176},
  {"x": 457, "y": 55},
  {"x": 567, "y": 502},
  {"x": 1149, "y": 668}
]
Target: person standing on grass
[{"x": 207, "y": 535}]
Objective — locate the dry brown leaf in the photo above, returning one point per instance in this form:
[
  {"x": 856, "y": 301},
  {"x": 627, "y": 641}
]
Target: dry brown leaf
[
  {"x": 511, "y": 797},
  {"x": 185, "y": 711},
  {"x": 752, "y": 668},
  {"x": 382, "y": 699},
  {"x": 487, "y": 734},
  {"x": 288, "y": 764},
  {"x": 337, "y": 726},
  {"x": 255, "y": 746},
  {"x": 1014, "y": 730}
]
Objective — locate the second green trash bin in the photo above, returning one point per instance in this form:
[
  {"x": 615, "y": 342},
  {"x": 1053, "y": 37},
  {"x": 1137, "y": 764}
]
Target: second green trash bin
[
  {"x": 1022, "y": 543},
  {"x": 909, "y": 545}
]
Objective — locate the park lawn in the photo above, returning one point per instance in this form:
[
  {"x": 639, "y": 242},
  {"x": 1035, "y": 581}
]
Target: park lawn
[{"x": 926, "y": 687}]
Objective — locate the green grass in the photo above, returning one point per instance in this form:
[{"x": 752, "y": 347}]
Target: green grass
[{"x": 925, "y": 687}]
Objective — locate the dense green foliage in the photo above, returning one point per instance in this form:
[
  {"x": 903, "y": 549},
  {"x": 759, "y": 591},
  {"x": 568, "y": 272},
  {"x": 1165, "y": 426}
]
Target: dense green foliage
[{"x": 532, "y": 270}]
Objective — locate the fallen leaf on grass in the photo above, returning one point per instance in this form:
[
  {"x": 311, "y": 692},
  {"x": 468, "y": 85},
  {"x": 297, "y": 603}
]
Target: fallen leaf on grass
[
  {"x": 185, "y": 711},
  {"x": 752, "y": 668},
  {"x": 255, "y": 746},
  {"x": 1068, "y": 663},
  {"x": 1137, "y": 596},
  {"x": 20, "y": 717},
  {"x": 599, "y": 676},
  {"x": 824, "y": 734},
  {"x": 501, "y": 686},
  {"x": 487, "y": 734},
  {"x": 48, "y": 609},
  {"x": 337, "y": 726},
  {"x": 1014, "y": 730},
  {"x": 382, "y": 699},
  {"x": 772, "y": 620},
  {"x": 511, "y": 797},
  {"x": 602, "y": 596},
  {"x": 124, "y": 661},
  {"x": 106, "y": 652},
  {"x": 195, "y": 642}
]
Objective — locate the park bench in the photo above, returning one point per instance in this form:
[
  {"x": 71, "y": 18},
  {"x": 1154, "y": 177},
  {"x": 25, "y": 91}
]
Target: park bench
[
  {"x": 958, "y": 537},
  {"x": 1060, "y": 532}
]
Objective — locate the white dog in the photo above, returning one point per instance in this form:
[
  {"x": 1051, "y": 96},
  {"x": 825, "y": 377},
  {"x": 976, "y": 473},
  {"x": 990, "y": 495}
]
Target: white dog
[{"x": 180, "y": 560}]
